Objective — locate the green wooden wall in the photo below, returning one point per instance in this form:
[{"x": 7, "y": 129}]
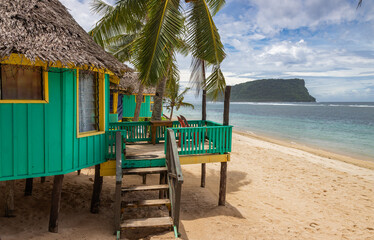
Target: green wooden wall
[
  {"x": 40, "y": 139},
  {"x": 129, "y": 106}
]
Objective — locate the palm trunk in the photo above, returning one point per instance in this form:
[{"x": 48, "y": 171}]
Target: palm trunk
[
  {"x": 157, "y": 107},
  {"x": 171, "y": 113},
  {"x": 203, "y": 113},
  {"x": 139, "y": 100}
]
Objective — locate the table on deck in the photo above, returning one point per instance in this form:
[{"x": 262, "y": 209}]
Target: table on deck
[{"x": 155, "y": 124}]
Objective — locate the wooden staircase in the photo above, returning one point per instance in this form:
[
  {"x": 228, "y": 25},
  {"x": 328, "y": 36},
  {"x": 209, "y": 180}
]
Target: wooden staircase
[
  {"x": 166, "y": 206},
  {"x": 146, "y": 222}
]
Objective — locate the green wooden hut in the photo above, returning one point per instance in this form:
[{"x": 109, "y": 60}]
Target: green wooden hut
[
  {"x": 54, "y": 91},
  {"x": 124, "y": 98}
]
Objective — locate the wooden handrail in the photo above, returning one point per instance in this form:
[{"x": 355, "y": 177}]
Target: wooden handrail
[
  {"x": 175, "y": 177},
  {"x": 117, "y": 200}
]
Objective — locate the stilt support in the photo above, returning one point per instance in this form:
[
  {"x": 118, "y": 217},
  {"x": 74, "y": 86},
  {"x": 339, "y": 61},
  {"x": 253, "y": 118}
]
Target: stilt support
[
  {"x": 55, "y": 204},
  {"x": 28, "y": 187},
  {"x": 203, "y": 173},
  {"x": 223, "y": 174},
  {"x": 222, "y": 184},
  {"x": 98, "y": 184},
  {"x": 9, "y": 198}
]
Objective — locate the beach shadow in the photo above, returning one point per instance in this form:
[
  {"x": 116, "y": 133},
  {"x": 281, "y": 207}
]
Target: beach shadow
[{"x": 200, "y": 202}]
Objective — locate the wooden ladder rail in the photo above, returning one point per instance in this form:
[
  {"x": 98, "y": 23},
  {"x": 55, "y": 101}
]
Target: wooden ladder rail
[
  {"x": 175, "y": 179},
  {"x": 117, "y": 200}
]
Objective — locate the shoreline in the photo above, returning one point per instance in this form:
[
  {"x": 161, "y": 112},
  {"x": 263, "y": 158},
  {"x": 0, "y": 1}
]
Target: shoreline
[{"x": 313, "y": 150}]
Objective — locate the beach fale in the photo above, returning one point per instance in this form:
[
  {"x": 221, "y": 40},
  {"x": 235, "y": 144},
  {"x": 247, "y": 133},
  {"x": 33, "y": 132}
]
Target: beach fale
[
  {"x": 55, "y": 118},
  {"x": 124, "y": 92}
]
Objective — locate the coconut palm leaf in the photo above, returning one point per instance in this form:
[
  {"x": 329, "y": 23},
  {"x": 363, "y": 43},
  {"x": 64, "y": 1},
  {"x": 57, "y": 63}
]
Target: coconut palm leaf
[
  {"x": 159, "y": 34},
  {"x": 121, "y": 46},
  {"x": 126, "y": 16},
  {"x": 216, "y": 5},
  {"x": 184, "y": 104},
  {"x": 215, "y": 83},
  {"x": 206, "y": 46},
  {"x": 204, "y": 38},
  {"x": 197, "y": 78},
  {"x": 359, "y": 4}
]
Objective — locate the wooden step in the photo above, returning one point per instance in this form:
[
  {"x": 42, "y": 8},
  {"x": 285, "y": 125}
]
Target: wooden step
[
  {"x": 147, "y": 222},
  {"x": 145, "y": 188},
  {"x": 151, "y": 170},
  {"x": 146, "y": 203}
]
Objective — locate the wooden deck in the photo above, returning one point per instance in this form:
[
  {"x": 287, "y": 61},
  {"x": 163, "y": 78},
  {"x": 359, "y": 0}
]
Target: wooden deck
[{"x": 143, "y": 151}]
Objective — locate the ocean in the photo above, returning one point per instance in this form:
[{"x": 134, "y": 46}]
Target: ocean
[{"x": 344, "y": 128}]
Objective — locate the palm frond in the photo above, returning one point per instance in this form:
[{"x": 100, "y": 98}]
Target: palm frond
[
  {"x": 101, "y": 7},
  {"x": 359, "y": 4},
  {"x": 204, "y": 38},
  {"x": 126, "y": 16},
  {"x": 158, "y": 36},
  {"x": 197, "y": 78},
  {"x": 121, "y": 46},
  {"x": 184, "y": 104},
  {"x": 216, "y": 5},
  {"x": 215, "y": 83}
]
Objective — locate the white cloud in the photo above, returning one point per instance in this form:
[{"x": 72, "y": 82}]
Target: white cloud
[{"x": 329, "y": 43}]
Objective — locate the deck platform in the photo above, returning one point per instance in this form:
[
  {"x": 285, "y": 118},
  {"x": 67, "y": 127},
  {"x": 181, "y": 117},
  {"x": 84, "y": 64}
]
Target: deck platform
[{"x": 143, "y": 151}]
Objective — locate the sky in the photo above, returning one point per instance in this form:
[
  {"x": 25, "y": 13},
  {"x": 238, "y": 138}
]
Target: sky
[{"x": 327, "y": 43}]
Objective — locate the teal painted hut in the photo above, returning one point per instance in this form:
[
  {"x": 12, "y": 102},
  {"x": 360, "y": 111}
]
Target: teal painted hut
[
  {"x": 54, "y": 92},
  {"x": 123, "y": 98}
]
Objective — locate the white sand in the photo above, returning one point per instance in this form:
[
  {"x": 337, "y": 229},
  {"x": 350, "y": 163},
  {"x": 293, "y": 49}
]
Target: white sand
[{"x": 274, "y": 192}]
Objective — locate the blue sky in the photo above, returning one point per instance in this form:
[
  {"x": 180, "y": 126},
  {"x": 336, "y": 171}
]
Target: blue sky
[{"x": 327, "y": 43}]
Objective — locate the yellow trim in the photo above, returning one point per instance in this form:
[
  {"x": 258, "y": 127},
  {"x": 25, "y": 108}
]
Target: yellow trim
[
  {"x": 145, "y": 94},
  {"x": 114, "y": 79},
  {"x": 45, "y": 89},
  {"x": 115, "y": 102},
  {"x": 101, "y": 108},
  {"x": 108, "y": 168},
  {"x": 143, "y": 98},
  {"x": 209, "y": 158},
  {"x": 20, "y": 59}
]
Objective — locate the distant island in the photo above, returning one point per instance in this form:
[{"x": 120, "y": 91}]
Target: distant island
[{"x": 271, "y": 90}]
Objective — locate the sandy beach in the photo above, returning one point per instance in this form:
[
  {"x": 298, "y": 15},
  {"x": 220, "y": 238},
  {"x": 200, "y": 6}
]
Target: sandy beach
[{"x": 276, "y": 190}]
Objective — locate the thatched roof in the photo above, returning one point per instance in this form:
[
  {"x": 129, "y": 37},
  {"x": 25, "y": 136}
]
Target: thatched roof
[
  {"x": 129, "y": 84},
  {"x": 45, "y": 30}
]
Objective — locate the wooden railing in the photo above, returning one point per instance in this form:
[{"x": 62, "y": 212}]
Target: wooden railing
[
  {"x": 175, "y": 178},
  {"x": 110, "y": 143},
  {"x": 202, "y": 140},
  {"x": 140, "y": 131}
]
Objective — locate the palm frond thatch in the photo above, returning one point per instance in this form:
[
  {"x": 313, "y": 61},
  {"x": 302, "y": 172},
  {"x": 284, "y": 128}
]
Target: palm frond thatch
[{"x": 45, "y": 30}]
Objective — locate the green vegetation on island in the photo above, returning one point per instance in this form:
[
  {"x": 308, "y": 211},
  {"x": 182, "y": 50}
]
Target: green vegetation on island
[{"x": 271, "y": 90}]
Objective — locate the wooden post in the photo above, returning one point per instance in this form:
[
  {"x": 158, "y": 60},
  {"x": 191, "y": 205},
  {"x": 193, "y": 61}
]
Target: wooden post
[
  {"x": 144, "y": 176},
  {"x": 161, "y": 193},
  {"x": 42, "y": 180},
  {"x": 223, "y": 173},
  {"x": 203, "y": 117},
  {"x": 79, "y": 172},
  {"x": 55, "y": 203},
  {"x": 28, "y": 186},
  {"x": 98, "y": 184},
  {"x": 9, "y": 198},
  {"x": 117, "y": 199}
]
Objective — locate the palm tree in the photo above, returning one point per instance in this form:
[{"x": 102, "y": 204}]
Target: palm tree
[
  {"x": 174, "y": 99},
  {"x": 162, "y": 26}
]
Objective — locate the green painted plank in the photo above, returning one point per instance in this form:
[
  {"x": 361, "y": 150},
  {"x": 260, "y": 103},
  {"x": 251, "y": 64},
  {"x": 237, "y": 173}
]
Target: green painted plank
[
  {"x": 20, "y": 146},
  {"x": 6, "y": 140},
  {"x": 36, "y": 138},
  {"x": 54, "y": 122}
]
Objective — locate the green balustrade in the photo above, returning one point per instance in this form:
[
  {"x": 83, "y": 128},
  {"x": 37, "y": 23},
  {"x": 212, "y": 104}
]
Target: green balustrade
[{"x": 203, "y": 140}]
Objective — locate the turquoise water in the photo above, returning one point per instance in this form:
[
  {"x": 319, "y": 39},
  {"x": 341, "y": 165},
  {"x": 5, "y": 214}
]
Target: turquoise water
[{"x": 345, "y": 128}]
